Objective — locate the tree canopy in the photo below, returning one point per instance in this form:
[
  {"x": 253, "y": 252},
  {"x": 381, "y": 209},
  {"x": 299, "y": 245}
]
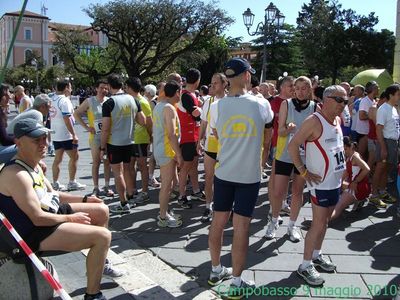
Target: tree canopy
[
  {"x": 152, "y": 34},
  {"x": 333, "y": 38},
  {"x": 96, "y": 63}
]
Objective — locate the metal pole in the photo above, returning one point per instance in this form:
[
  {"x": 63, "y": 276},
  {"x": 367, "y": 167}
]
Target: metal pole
[
  {"x": 264, "y": 61},
  {"x": 3, "y": 72}
]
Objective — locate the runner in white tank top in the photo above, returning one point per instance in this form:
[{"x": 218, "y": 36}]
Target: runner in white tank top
[
  {"x": 325, "y": 155},
  {"x": 325, "y": 163}
]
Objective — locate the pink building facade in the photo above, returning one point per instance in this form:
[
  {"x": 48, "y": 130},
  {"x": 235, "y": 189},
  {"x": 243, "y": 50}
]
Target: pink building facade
[{"x": 36, "y": 35}]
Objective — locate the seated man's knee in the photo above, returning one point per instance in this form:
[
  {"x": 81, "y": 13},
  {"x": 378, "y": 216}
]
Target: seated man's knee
[
  {"x": 102, "y": 236},
  {"x": 104, "y": 212}
]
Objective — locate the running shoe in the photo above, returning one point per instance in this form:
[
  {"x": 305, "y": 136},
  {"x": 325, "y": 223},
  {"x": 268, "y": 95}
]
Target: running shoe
[
  {"x": 238, "y": 292},
  {"x": 154, "y": 183},
  {"x": 141, "y": 198},
  {"x": 294, "y": 234},
  {"x": 168, "y": 221},
  {"x": 75, "y": 186},
  {"x": 121, "y": 209},
  {"x": 57, "y": 186},
  {"x": 207, "y": 215},
  {"x": 387, "y": 198},
  {"x": 174, "y": 195},
  {"x": 324, "y": 264},
  {"x": 285, "y": 210},
  {"x": 198, "y": 196},
  {"x": 98, "y": 296},
  {"x": 216, "y": 278},
  {"x": 110, "y": 271},
  {"x": 95, "y": 192},
  {"x": 311, "y": 275},
  {"x": 184, "y": 202},
  {"x": 108, "y": 192},
  {"x": 376, "y": 200},
  {"x": 271, "y": 230}
]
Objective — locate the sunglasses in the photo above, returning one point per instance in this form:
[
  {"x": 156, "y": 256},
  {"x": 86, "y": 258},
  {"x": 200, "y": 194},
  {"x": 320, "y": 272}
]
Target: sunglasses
[{"x": 339, "y": 99}]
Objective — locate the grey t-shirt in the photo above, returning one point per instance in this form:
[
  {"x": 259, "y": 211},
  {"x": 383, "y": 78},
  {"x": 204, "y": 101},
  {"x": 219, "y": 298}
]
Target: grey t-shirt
[{"x": 240, "y": 123}]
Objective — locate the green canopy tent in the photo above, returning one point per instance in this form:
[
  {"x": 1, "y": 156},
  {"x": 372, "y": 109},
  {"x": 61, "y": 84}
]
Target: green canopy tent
[{"x": 381, "y": 76}]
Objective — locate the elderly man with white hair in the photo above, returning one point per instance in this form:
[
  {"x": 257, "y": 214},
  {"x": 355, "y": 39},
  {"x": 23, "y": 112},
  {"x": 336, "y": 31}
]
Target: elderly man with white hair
[
  {"x": 39, "y": 112},
  {"x": 150, "y": 92},
  {"x": 323, "y": 168}
]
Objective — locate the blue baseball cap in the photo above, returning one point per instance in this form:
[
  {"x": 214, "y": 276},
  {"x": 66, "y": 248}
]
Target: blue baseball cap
[{"x": 237, "y": 66}]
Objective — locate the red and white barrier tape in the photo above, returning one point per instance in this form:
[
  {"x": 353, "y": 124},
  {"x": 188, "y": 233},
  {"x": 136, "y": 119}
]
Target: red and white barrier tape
[{"x": 35, "y": 260}]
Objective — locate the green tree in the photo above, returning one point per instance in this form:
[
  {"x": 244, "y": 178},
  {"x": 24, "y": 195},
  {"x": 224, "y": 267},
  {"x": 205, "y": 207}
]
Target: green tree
[
  {"x": 152, "y": 34},
  {"x": 99, "y": 62},
  {"x": 327, "y": 31},
  {"x": 284, "y": 53}
]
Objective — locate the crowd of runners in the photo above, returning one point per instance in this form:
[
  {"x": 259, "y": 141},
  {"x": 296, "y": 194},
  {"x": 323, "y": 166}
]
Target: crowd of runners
[{"x": 339, "y": 144}]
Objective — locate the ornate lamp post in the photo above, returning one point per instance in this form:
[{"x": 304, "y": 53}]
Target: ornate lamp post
[{"x": 273, "y": 19}]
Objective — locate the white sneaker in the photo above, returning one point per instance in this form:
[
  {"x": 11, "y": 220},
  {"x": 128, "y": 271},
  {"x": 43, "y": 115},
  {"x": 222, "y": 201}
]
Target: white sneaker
[
  {"x": 110, "y": 271},
  {"x": 169, "y": 221},
  {"x": 271, "y": 230},
  {"x": 294, "y": 234},
  {"x": 57, "y": 186},
  {"x": 75, "y": 185}
]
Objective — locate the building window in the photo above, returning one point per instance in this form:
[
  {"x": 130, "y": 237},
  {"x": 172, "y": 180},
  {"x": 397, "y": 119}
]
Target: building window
[
  {"x": 28, "y": 34},
  {"x": 28, "y": 55},
  {"x": 55, "y": 60}
]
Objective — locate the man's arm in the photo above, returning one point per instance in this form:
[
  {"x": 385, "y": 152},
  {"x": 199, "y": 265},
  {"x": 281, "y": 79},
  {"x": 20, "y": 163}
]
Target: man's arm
[
  {"x": 381, "y": 141},
  {"x": 267, "y": 144},
  {"x": 283, "y": 128},
  {"x": 140, "y": 118},
  {"x": 188, "y": 104},
  {"x": 308, "y": 131},
  {"x": 362, "y": 112},
  {"x": 27, "y": 200},
  {"x": 82, "y": 109},
  {"x": 170, "y": 119},
  {"x": 70, "y": 128},
  {"x": 105, "y": 131}
]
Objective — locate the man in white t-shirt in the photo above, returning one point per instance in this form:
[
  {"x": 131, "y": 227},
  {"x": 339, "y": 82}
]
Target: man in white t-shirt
[
  {"x": 362, "y": 128},
  {"x": 64, "y": 138},
  {"x": 388, "y": 132}
]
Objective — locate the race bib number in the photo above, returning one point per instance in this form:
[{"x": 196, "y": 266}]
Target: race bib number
[
  {"x": 97, "y": 126},
  {"x": 50, "y": 203},
  {"x": 338, "y": 159}
]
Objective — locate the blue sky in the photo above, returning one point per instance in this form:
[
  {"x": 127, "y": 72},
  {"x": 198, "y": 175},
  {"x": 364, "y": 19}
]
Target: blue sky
[{"x": 70, "y": 11}]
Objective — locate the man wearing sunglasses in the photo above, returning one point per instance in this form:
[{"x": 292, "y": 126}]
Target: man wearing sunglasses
[{"x": 325, "y": 161}]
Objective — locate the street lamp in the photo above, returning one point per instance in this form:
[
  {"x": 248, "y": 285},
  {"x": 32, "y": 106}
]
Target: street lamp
[
  {"x": 28, "y": 82},
  {"x": 35, "y": 64},
  {"x": 273, "y": 19}
]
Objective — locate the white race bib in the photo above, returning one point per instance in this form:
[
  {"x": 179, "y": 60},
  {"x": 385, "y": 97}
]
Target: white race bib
[
  {"x": 50, "y": 203},
  {"x": 97, "y": 126},
  {"x": 338, "y": 158}
]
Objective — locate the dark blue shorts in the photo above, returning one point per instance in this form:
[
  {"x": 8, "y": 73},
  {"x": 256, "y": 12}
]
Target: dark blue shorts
[
  {"x": 241, "y": 196},
  {"x": 66, "y": 145},
  {"x": 325, "y": 198}
]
